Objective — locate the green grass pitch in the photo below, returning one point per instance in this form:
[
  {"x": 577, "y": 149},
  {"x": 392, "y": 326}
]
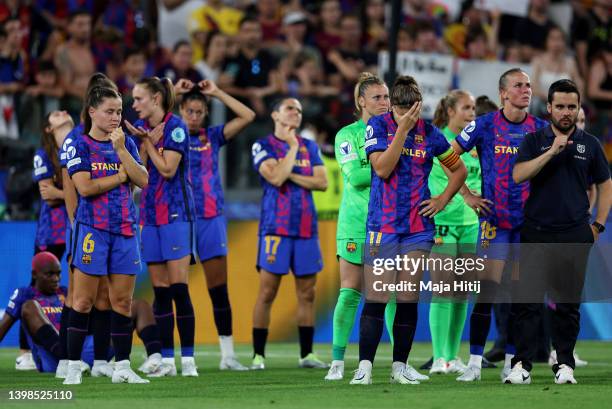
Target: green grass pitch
[{"x": 283, "y": 385}]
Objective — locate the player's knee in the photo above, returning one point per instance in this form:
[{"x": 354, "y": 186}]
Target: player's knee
[
  {"x": 29, "y": 309},
  {"x": 122, "y": 304},
  {"x": 82, "y": 302},
  {"x": 267, "y": 295},
  {"x": 306, "y": 295}
]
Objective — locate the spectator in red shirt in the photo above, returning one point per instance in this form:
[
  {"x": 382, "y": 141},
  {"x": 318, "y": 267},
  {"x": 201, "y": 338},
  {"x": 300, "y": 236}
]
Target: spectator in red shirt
[{"x": 328, "y": 34}]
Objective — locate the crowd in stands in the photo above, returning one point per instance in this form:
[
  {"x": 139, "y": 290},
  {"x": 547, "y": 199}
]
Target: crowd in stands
[{"x": 258, "y": 50}]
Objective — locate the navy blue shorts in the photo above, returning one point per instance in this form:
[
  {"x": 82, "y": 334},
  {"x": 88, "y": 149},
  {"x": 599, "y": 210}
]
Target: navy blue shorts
[
  {"x": 166, "y": 242},
  {"x": 46, "y": 362},
  {"x": 211, "y": 237},
  {"x": 98, "y": 252},
  {"x": 498, "y": 244},
  {"x": 390, "y": 245},
  {"x": 279, "y": 254}
]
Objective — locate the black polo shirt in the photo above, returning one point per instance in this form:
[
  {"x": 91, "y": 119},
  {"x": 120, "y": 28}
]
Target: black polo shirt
[{"x": 558, "y": 193}]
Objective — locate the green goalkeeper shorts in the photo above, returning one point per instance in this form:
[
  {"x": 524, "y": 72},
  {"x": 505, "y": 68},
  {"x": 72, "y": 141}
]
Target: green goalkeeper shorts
[
  {"x": 351, "y": 250},
  {"x": 455, "y": 240}
]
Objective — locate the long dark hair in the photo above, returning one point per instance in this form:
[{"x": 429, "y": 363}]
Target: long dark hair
[
  {"x": 95, "y": 97},
  {"x": 97, "y": 80},
  {"x": 49, "y": 145}
]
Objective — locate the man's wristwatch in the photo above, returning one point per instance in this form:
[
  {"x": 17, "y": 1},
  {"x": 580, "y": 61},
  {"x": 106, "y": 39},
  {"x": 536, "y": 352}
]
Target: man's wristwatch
[{"x": 600, "y": 227}]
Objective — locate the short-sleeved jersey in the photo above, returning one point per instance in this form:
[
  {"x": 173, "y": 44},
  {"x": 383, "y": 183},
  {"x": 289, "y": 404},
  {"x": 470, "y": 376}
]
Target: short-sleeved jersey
[
  {"x": 497, "y": 141},
  {"x": 51, "y": 304},
  {"x": 204, "y": 171},
  {"x": 164, "y": 201},
  {"x": 287, "y": 210},
  {"x": 112, "y": 211},
  {"x": 51, "y": 228},
  {"x": 456, "y": 212},
  {"x": 67, "y": 148},
  {"x": 351, "y": 156},
  {"x": 394, "y": 202}
]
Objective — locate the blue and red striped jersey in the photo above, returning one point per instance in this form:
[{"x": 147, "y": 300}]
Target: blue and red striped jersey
[
  {"x": 67, "y": 148},
  {"x": 394, "y": 202},
  {"x": 204, "y": 171},
  {"x": 497, "y": 141},
  {"x": 51, "y": 228},
  {"x": 51, "y": 304},
  {"x": 112, "y": 211},
  {"x": 287, "y": 210},
  {"x": 165, "y": 201}
]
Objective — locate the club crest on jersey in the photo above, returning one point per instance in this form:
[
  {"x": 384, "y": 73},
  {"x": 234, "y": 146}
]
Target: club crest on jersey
[
  {"x": 418, "y": 138},
  {"x": 345, "y": 148},
  {"x": 580, "y": 148},
  {"x": 351, "y": 247},
  {"x": 178, "y": 135},
  {"x": 303, "y": 149},
  {"x": 271, "y": 259},
  {"x": 484, "y": 244},
  {"x": 86, "y": 259}
]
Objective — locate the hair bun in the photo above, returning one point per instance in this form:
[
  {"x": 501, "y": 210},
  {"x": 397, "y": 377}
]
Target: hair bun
[{"x": 404, "y": 80}]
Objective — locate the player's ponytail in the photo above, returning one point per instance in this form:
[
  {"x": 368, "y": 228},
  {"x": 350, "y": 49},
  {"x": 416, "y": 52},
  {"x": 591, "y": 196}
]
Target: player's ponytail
[
  {"x": 440, "y": 118},
  {"x": 450, "y": 100},
  {"x": 365, "y": 80},
  {"x": 49, "y": 145},
  {"x": 162, "y": 86},
  {"x": 95, "y": 97},
  {"x": 484, "y": 105},
  {"x": 405, "y": 92}
]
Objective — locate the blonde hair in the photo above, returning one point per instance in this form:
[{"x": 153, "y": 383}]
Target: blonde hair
[
  {"x": 441, "y": 118},
  {"x": 365, "y": 81}
]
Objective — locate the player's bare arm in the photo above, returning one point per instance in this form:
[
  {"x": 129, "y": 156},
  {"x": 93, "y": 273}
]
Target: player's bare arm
[
  {"x": 456, "y": 178},
  {"x": 135, "y": 172},
  {"x": 49, "y": 193},
  {"x": 474, "y": 201},
  {"x": 70, "y": 195},
  {"x": 86, "y": 186},
  {"x": 318, "y": 180},
  {"x": 385, "y": 162},
  {"x": 244, "y": 115},
  {"x": 5, "y": 325}
]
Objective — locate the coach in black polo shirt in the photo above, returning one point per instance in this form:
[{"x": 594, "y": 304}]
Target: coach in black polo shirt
[{"x": 559, "y": 161}]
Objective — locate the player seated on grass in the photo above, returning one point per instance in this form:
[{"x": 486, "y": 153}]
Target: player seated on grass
[{"x": 39, "y": 308}]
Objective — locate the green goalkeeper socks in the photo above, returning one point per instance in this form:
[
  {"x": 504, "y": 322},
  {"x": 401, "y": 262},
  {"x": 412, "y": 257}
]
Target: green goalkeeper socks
[
  {"x": 439, "y": 323},
  {"x": 344, "y": 318},
  {"x": 455, "y": 330}
]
